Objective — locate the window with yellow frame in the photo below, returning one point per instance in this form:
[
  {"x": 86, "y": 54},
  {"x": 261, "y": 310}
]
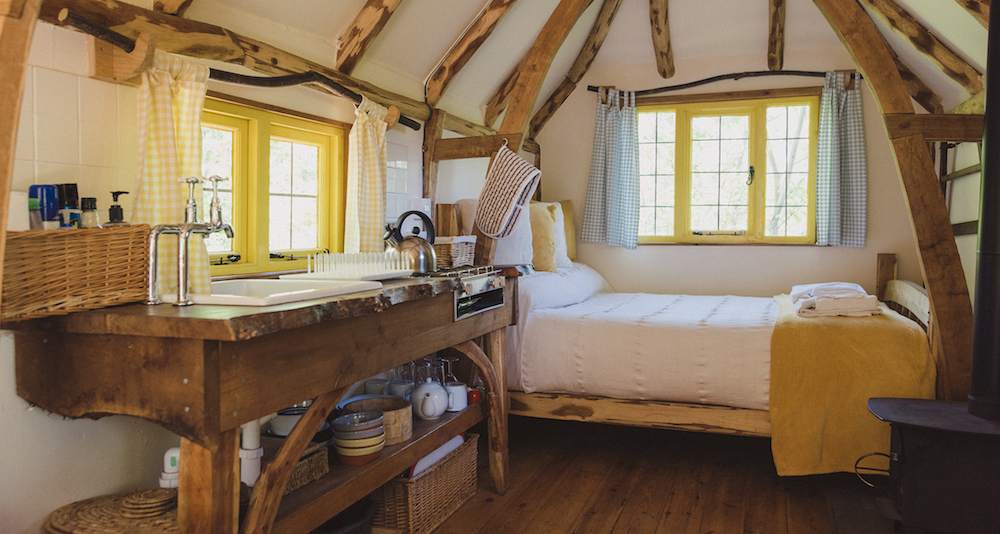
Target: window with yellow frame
[
  {"x": 285, "y": 196},
  {"x": 729, "y": 172}
]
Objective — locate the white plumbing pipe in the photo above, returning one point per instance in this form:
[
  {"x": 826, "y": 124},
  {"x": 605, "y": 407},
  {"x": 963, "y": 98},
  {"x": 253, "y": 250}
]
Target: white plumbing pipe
[
  {"x": 171, "y": 466},
  {"x": 251, "y": 451}
]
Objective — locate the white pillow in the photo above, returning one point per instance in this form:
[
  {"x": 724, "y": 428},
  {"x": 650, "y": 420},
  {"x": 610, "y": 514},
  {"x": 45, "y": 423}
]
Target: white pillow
[{"x": 514, "y": 249}]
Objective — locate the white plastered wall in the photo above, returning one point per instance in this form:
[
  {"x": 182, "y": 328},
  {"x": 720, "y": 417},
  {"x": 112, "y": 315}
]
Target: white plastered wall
[
  {"x": 566, "y": 142},
  {"x": 76, "y": 129}
]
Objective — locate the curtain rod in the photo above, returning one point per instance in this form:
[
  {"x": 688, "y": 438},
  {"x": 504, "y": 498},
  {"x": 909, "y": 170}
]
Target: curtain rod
[
  {"x": 734, "y": 76},
  {"x": 128, "y": 45}
]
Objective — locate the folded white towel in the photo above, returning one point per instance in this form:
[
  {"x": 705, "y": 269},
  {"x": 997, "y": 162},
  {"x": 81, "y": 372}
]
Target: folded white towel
[
  {"x": 827, "y": 307},
  {"x": 510, "y": 182},
  {"x": 838, "y": 290}
]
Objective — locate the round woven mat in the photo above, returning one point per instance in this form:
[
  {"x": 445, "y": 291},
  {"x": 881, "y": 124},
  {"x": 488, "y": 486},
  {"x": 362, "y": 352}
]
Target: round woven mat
[{"x": 140, "y": 512}]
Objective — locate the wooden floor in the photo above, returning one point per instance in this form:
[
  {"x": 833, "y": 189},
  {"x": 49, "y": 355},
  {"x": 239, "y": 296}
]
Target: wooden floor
[{"x": 589, "y": 478}]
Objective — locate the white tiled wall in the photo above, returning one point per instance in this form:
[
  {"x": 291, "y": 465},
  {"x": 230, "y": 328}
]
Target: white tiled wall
[{"x": 74, "y": 129}]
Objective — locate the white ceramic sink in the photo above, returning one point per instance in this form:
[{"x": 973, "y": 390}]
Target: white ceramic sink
[{"x": 267, "y": 292}]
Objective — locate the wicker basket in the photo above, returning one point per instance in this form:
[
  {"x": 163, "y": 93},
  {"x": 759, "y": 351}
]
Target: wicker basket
[
  {"x": 418, "y": 505},
  {"x": 457, "y": 251},
  {"x": 55, "y": 272}
]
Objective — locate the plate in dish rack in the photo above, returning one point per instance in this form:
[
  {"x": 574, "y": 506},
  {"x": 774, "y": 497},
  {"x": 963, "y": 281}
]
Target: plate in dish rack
[{"x": 333, "y": 275}]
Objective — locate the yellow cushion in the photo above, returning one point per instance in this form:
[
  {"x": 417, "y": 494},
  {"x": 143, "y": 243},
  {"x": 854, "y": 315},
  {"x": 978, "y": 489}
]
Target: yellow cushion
[
  {"x": 567, "y": 209},
  {"x": 543, "y": 220}
]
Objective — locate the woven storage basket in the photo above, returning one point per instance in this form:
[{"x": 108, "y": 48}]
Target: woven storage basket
[
  {"x": 457, "y": 251},
  {"x": 418, "y": 505},
  {"x": 55, "y": 272}
]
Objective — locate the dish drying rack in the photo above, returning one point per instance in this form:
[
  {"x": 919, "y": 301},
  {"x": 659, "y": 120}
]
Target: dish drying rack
[{"x": 355, "y": 266}]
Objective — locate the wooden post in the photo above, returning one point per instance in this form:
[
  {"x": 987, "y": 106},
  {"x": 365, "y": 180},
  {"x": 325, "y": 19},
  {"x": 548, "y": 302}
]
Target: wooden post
[
  {"x": 17, "y": 24},
  {"x": 951, "y": 308},
  {"x": 209, "y": 482},
  {"x": 433, "y": 131},
  {"x": 496, "y": 395}
]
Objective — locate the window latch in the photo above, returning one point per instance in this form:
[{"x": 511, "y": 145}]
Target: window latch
[
  {"x": 750, "y": 177},
  {"x": 230, "y": 258}
]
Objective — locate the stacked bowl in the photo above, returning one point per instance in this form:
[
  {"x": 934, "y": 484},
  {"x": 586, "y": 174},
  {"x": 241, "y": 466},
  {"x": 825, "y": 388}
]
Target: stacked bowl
[{"x": 358, "y": 437}]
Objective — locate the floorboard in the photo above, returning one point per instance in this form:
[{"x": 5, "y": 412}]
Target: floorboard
[{"x": 588, "y": 478}]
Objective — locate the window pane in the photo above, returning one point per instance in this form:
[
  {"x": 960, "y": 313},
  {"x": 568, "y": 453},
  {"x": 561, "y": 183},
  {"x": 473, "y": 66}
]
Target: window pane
[
  {"x": 664, "y": 221},
  {"x": 798, "y": 155},
  {"x": 797, "y": 225},
  {"x": 305, "y": 163},
  {"x": 647, "y": 158},
  {"x": 704, "y": 189},
  {"x": 647, "y": 127},
  {"x": 647, "y": 190},
  {"x": 774, "y": 223},
  {"x": 788, "y": 158},
  {"x": 281, "y": 167},
  {"x": 733, "y": 218},
  {"x": 217, "y": 160},
  {"x": 776, "y": 156},
  {"x": 665, "y": 190},
  {"x": 798, "y": 189},
  {"x": 733, "y": 156},
  {"x": 280, "y": 227},
  {"x": 798, "y": 122},
  {"x": 733, "y": 189},
  {"x": 304, "y": 227},
  {"x": 666, "y": 127},
  {"x": 776, "y": 190},
  {"x": 647, "y": 221},
  {"x": 705, "y": 128},
  {"x": 665, "y": 158},
  {"x": 705, "y": 156},
  {"x": 735, "y": 127},
  {"x": 704, "y": 218},
  {"x": 777, "y": 122}
]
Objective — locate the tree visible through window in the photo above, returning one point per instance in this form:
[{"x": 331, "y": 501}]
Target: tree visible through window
[{"x": 722, "y": 172}]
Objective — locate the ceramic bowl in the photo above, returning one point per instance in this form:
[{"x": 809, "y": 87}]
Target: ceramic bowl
[
  {"x": 357, "y": 421},
  {"x": 285, "y": 421},
  {"x": 360, "y": 434},
  {"x": 359, "y": 443},
  {"x": 360, "y": 455}
]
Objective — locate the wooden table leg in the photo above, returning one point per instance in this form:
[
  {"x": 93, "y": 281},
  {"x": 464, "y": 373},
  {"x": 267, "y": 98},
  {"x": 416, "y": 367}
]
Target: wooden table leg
[
  {"x": 497, "y": 417},
  {"x": 209, "y": 484}
]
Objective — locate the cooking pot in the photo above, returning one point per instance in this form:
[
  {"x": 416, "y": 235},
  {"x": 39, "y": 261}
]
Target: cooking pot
[{"x": 420, "y": 250}]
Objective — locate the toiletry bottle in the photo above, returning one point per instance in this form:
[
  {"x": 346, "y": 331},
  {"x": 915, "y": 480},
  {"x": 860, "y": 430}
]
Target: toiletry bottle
[
  {"x": 89, "y": 218},
  {"x": 48, "y": 203},
  {"x": 115, "y": 213},
  {"x": 69, "y": 208},
  {"x": 34, "y": 215}
]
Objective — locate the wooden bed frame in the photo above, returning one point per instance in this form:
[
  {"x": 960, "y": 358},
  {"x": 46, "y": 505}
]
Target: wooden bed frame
[{"x": 900, "y": 296}]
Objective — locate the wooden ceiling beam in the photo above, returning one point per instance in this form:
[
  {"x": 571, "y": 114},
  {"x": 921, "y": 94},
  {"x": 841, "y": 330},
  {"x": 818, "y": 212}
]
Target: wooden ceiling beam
[
  {"x": 951, "y": 307},
  {"x": 928, "y": 44},
  {"x": 946, "y": 128},
  {"x": 776, "y": 35},
  {"x": 465, "y": 48},
  {"x": 587, "y": 54},
  {"x": 980, "y": 9},
  {"x": 172, "y": 7},
  {"x": 501, "y": 97},
  {"x": 206, "y": 41},
  {"x": 535, "y": 66},
  {"x": 921, "y": 93},
  {"x": 360, "y": 34},
  {"x": 659, "y": 25}
]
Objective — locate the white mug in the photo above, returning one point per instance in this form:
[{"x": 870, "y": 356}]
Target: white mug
[
  {"x": 457, "y": 399},
  {"x": 377, "y": 386},
  {"x": 400, "y": 388}
]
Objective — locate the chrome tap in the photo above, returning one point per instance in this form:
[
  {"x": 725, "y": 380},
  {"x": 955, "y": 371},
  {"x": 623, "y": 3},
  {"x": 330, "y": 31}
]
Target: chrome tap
[{"x": 184, "y": 231}]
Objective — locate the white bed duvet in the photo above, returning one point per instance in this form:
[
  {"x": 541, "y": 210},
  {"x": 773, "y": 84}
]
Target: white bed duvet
[{"x": 573, "y": 336}]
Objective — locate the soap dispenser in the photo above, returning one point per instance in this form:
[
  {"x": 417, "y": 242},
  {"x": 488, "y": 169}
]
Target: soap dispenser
[{"x": 115, "y": 212}]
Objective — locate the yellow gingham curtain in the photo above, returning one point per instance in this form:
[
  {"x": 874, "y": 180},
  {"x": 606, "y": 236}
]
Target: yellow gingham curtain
[
  {"x": 365, "y": 217},
  {"x": 170, "y": 101}
]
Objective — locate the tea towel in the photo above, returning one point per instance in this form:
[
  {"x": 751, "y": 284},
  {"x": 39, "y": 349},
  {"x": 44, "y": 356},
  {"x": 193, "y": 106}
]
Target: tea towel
[{"x": 510, "y": 183}]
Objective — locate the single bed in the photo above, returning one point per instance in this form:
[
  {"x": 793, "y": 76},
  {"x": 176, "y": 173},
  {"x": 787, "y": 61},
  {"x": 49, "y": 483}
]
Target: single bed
[{"x": 724, "y": 364}]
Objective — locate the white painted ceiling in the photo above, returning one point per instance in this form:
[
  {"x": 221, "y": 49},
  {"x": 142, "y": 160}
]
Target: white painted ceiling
[{"x": 421, "y": 32}]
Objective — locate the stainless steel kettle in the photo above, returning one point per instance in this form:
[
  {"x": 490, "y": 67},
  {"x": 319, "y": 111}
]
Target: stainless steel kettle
[{"x": 420, "y": 250}]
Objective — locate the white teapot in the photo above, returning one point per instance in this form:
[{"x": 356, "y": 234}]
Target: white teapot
[{"x": 429, "y": 400}]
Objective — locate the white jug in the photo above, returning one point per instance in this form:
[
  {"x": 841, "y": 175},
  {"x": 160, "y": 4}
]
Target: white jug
[{"x": 429, "y": 400}]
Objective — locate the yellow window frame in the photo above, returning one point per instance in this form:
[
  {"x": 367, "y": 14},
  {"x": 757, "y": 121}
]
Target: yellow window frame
[
  {"x": 756, "y": 109},
  {"x": 253, "y": 131}
]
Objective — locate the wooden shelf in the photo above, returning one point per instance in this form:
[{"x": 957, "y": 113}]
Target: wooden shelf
[{"x": 311, "y": 505}]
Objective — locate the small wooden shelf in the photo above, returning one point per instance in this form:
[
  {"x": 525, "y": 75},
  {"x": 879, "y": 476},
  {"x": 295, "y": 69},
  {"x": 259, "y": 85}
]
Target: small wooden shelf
[{"x": 311, "y": 505}]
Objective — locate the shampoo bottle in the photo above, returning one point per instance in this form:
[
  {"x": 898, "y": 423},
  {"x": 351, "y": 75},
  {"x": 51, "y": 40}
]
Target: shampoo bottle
[{"x": 89, "y": 218}]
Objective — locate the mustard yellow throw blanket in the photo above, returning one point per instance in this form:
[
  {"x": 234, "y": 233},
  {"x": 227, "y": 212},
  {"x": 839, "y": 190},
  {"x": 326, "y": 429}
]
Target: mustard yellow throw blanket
[{"x": 824, "y": 370}]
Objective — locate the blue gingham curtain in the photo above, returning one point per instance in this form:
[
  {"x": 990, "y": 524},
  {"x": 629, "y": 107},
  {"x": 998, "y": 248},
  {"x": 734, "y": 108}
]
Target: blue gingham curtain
[
  {"x": 611, "y": 214},
  {"x": 841, "y": 170}
]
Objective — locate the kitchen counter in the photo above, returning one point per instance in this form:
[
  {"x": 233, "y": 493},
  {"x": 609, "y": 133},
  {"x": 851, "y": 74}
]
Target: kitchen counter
[{"x": 202, "y": 371}]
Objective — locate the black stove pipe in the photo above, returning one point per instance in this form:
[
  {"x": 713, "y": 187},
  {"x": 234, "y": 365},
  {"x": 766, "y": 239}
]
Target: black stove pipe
[{"x": 984, "y": 396}]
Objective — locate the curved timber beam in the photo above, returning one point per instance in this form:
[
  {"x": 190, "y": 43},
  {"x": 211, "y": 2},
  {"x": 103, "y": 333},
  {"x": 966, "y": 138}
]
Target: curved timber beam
[
  {"x": 951, "y": 308},
  {"x": 17, "y": 24},
  {"x": 365, "y": 28}
]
